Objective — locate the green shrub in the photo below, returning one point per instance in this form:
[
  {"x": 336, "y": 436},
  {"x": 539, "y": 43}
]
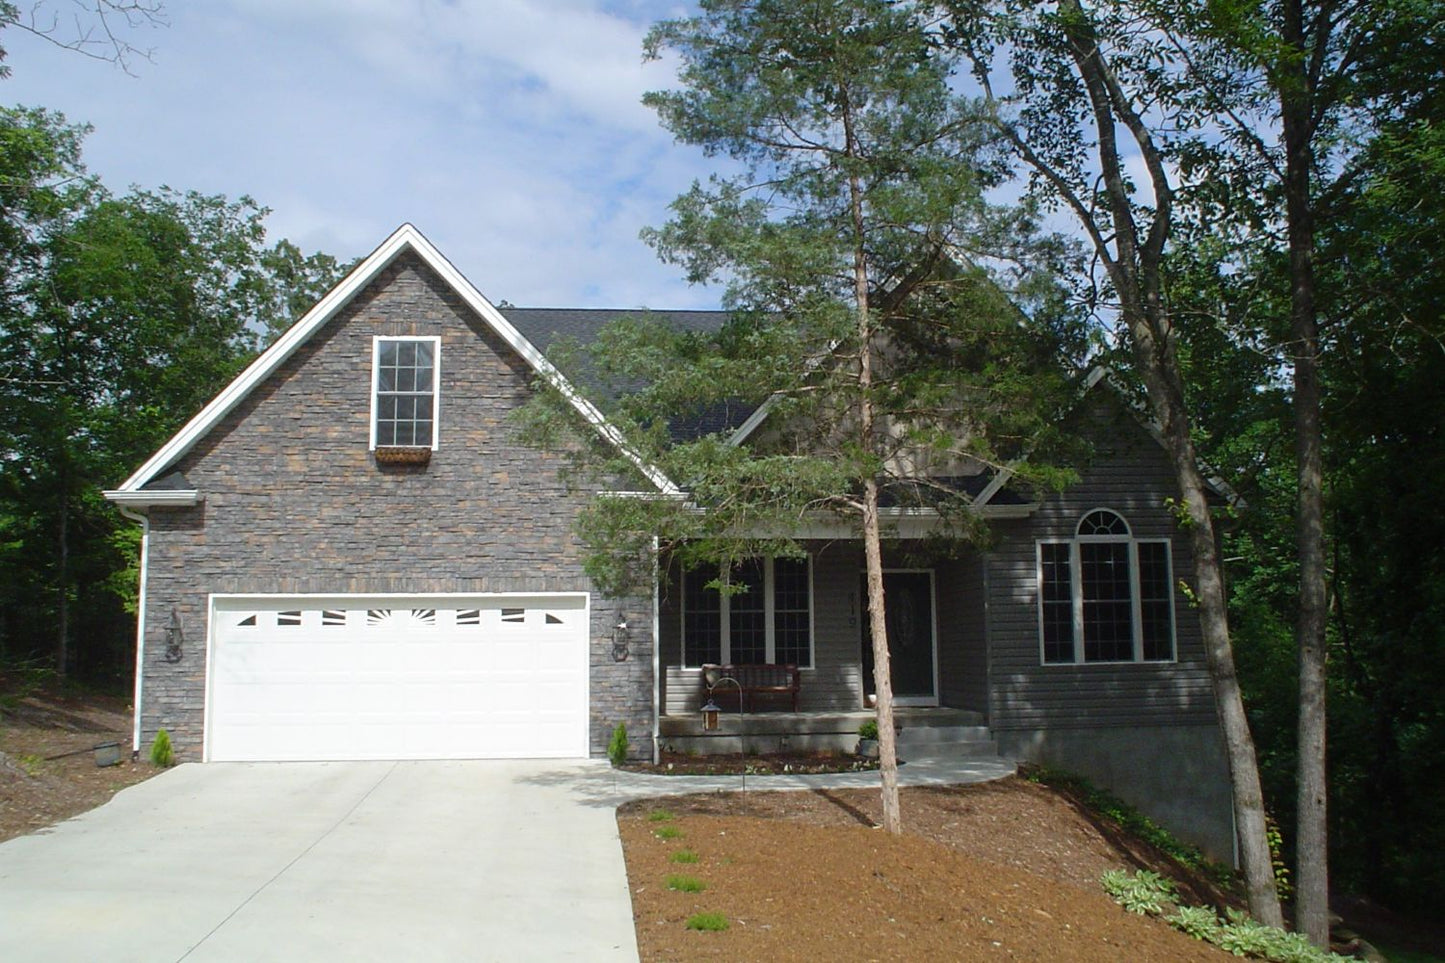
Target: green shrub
[
  {"x": 1200, "y": 922},
  {"x": 617, "y": 748},
  {"x": 868, "y": 730},
  {"x": 686, "y": 884},
  {"x": 684, "y": 856},
  {"x": 660, "y": 816},
  {"x": 707, "y": 922},
  {"x": 668, "y": 832},
  {"x": 1146, "y": 893},
  {"x": 161, "y": 753},
  {"x": 1143, "y": 892}
]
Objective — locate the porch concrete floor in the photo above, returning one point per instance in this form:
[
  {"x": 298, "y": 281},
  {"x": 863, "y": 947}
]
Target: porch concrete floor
[{"x": 769, "y": 723}]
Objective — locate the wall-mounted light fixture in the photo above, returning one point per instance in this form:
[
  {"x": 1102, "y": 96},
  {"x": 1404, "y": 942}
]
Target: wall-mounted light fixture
[
  {"x": 619, "y": 640},
  {"x": 175, "y": 637}
]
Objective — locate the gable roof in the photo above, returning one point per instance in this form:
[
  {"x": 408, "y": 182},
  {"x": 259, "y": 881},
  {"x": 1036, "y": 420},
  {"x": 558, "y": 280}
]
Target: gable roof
[{"x": 405, "y": 239}]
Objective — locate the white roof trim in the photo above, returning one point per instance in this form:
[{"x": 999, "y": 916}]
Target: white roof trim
[
  {"x": 157, "y": 497},
  {"x": 403, "y": 239}
]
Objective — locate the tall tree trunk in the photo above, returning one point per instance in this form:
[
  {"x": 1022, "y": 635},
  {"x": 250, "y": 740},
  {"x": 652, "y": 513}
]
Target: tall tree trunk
[
  {"x": 1312, "y": 827},
  {"x": 882, "y": 672},
  {"x": 1135, "y": 264},
  {"x": 872, "y": 537},
  {"x": 62, "y": 583},
  {"x": 1166, "y": 398}
]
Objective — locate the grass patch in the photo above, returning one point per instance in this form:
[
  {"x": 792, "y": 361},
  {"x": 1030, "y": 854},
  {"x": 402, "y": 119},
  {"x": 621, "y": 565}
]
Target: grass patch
[
  {"x": 684, "y": 856},
  {"x": 667, "y": 832},
  {"x": 707, "y": 922},
  {"x": 686, "y": 884},
  {"x": 660, "y": 816}
]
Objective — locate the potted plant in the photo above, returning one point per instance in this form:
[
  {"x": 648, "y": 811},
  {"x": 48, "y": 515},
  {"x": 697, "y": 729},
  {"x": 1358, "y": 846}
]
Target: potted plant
[{"x": 868, "y": 739}]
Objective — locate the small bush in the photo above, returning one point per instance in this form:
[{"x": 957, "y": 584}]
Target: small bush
[
  {"x": 668, "y": 832},
  {"x": 684, "y": 856},
  {"x": 707, "y": 922},
  {"x": 617, "y": 748},
  {"x": 161, "y": 753},
  {"x": 660, "y": 816},
  {"x": 1144, "y": 892},
  {"x": 686, "y": 884},
  {"x": 1199, "y": 922},
  {"x": 868, "y": 730}
]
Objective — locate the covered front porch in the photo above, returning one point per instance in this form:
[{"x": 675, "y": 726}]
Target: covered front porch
[{"x": 814, "y": 615}]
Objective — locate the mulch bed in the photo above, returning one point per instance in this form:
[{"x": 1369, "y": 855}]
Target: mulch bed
[{"x": 1005, "y": 870}]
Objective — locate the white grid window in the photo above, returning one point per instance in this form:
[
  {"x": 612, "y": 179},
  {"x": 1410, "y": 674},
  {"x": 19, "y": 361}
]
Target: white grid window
[
  {"x": 769, "y": 621},
  {"x": 404, "y": 392},
  {"x": 1105, "y": 596}
]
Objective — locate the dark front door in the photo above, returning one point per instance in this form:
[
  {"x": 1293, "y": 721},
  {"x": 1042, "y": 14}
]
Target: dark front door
[{"x": 908, "y": 611}]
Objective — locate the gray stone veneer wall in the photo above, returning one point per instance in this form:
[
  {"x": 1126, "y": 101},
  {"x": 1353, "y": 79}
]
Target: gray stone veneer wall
[{"x": 294, "y": 502}]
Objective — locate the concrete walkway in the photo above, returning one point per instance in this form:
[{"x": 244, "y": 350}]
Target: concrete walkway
[{"x": 415, "y": 861}]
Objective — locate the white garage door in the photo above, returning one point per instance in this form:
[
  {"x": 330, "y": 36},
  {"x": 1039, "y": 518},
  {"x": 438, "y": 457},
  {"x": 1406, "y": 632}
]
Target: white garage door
[{"x": 416, "y": 677}]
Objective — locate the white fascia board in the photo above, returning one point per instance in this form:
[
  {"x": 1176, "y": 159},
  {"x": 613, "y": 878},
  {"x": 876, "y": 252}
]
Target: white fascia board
[
  {"x": 404, "y": 238},
  {"x": 755, "y": 419},
  {"x": 147, "y": 499},
  {"x": 897, "y": 523}
]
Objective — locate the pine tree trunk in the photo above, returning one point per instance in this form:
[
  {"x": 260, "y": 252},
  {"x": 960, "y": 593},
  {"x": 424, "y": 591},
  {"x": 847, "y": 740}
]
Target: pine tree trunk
[{"x": 882, "y": 672}]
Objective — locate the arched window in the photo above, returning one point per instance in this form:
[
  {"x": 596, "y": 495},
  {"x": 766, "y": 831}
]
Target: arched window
[{"x": 1104, "y": 595}]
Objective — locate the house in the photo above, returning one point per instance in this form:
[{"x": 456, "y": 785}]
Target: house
[{"x": 348, "y": 554}]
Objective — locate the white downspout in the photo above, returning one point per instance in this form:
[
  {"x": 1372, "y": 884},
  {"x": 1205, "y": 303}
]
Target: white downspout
[
  {"x": 140, "y": 616},
  {"x": 656, "y": 660}
]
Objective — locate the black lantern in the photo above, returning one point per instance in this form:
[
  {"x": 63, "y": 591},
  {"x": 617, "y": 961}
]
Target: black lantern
[{"x": 175, "y": 637}]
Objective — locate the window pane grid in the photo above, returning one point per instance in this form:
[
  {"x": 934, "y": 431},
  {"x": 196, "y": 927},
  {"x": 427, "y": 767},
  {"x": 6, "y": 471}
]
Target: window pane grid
[
  {"x": 736, "y": 627},
  {"x": 405, "y": 397},
  {"x": 1156, "y": 626},
  {"x": 790, "y": 611},
  {"x": 702, "y": 623},
  {"x": 1058, "y": 603},
  {"x": 1107, "y": 593},
  {"x": 1108, "y": 604},
  {"x": 747, "y": 616}
]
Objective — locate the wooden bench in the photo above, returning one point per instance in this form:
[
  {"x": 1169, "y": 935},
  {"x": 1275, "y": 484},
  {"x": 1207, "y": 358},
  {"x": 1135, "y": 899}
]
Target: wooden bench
[{"x": 767, "y": 678}]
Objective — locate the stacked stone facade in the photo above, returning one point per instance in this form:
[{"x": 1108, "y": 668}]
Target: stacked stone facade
[{"x": 294, "y": 502}]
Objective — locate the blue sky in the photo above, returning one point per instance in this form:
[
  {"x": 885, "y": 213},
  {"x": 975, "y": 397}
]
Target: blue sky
[{"x": 509, "y": 131}]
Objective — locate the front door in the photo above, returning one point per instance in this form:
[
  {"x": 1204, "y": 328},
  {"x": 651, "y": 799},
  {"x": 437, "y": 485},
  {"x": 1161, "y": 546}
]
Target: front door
[{"x": 908, "y": 611}]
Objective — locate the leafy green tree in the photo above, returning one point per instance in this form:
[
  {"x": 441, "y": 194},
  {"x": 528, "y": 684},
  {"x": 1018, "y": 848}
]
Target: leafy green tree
[
  {"x": 1081, "y": 94},
  {"x": 120, "y": 316},
  {"x": 851, "y": 244}
]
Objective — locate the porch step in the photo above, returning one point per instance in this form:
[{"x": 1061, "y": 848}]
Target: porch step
[{"x": 947, "y": 742}]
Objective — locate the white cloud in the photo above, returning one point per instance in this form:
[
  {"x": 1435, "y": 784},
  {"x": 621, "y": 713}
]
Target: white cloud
[{"x": 510, "y": 131}]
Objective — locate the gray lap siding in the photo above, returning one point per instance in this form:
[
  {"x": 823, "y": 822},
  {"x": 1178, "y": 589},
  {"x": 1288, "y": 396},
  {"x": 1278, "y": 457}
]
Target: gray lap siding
[
  {"x": 1129, "y": 473},
  {"x": 294, "y": 503}
]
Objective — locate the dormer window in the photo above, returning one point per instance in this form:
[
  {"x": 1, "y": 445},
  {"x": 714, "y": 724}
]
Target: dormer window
[{"x": 404, "y": 377}]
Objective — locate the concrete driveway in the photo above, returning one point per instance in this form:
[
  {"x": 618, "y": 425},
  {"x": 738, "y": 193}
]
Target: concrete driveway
[{"x": 385, "y": 861}]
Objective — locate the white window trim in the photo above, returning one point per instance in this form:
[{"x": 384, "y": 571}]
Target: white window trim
[
  {"x": 436, "y": 380},
  {"x": 769, "y": 608},
  {"x": 1076, "y": 594}
]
